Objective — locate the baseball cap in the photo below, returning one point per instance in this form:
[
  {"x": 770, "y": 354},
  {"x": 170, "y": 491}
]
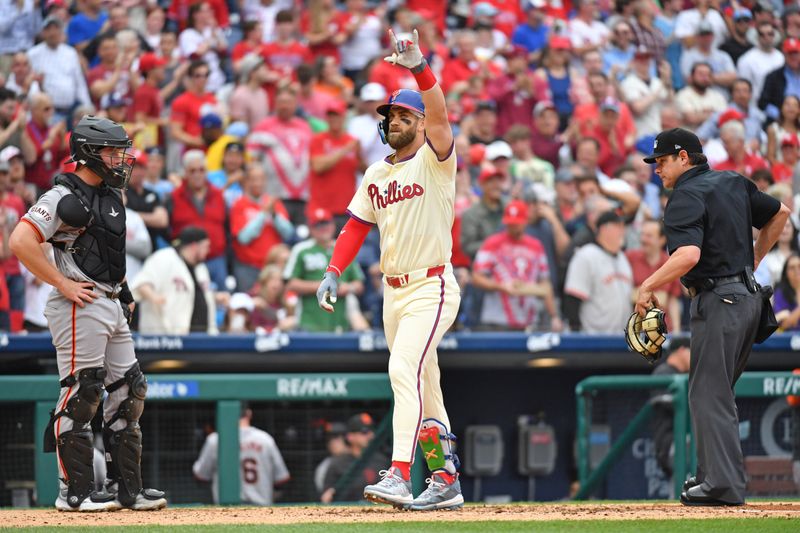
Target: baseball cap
[
  {"x": 486, "y": 105},
  {"x": 477, "y": 153},
  {"x": 241, "y": 300},
  {"x": 643, "y": 51},
  {"x": 489, "y": 173},
  {"x": 234, "y": 146},
  {"x": 542, "y": 106},
  {"x": 406, "y": 98},
  {"x": 189, "y": 235},
  {"x": 319, "y": 215},
  {"x": 372, "y": 92},
  {"x": 53, "y": 19},
  {"x": 498, "y": 149},
  {"x": 335, "y": 429},
  {"x": 610, "y": 104},
  {"x": 515, "y": 50},
  {"x": 790, "y": 139},
  {"x": 728, "y": 115},
  {"x": 238, "y": 129},
  {"x": 54, "y": 3},
  {"x": 10, "y": 152},
  {"x": 516, "y": 212},
  {"x": 791, "y": 45},
  {"x": 704, "y": 28},
  {"x": 485, "y": 9},
  {"x": 360, "y": 423},
  {"x": 609, "y": 217},
  {"x": 248, "y": 64},
  {"x": 141, "y": 157},
  {"x": 210, "y": 120},
  {"x": 559, "y": 42},
  {"x": 114, "y": 100},
  {"x": 742, "y": 14},
  {"x": 149, "y": 61},
  {"x": 338, "y": 107},
  {"x": 673, "y": 141},
  {"x": 677, "y": 342}
]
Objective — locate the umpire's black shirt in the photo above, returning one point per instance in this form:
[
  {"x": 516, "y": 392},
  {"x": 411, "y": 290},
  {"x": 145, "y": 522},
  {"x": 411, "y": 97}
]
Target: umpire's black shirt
[{"x": 716, "y": 211}]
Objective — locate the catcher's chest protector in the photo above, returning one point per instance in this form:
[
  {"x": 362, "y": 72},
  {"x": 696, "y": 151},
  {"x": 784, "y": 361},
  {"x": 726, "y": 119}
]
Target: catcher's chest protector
[{"x": 100, "y": 250}]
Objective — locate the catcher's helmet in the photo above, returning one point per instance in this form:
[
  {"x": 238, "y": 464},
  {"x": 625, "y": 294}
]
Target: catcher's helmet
[
  {"x": 95, "y": 133},
  {"x": 646, "y": 335},
  {"x": 405, "y": 98}
]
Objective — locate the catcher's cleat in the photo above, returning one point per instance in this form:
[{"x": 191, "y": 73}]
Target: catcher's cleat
[
  {"x": 96, "y": 502},
  {"x": 146, "y": 499},
  {"x": 439, "y": 496},
  {"x": 646, "y": 335},
  {"x": 392, "y": 489}
]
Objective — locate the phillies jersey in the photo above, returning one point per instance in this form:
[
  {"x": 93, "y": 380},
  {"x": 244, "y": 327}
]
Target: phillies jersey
[{"x": 411, "y": 201}]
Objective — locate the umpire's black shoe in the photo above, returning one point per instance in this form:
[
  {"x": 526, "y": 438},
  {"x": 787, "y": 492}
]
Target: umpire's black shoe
[
  {"x": 689, "y": 483},
  {"x": 694, "y": 496}
]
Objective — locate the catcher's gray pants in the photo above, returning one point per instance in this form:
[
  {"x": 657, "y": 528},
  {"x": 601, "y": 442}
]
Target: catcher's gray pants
[
  {"x": 723, "y": 325},
  {"x": 96, "y": 335}
]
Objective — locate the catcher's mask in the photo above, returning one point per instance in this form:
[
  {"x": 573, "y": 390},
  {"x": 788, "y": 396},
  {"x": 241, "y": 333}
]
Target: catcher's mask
[{"x": 646, "y": 335}]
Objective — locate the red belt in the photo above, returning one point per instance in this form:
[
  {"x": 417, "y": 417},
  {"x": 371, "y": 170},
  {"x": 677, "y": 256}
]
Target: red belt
[{"x": 399, "y": 281}]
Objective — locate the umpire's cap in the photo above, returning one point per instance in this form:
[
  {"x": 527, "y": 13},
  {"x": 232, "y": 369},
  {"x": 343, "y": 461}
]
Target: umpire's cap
[
  {"x": 673, "y": 141},
  {"x": 407, "y": 98}
]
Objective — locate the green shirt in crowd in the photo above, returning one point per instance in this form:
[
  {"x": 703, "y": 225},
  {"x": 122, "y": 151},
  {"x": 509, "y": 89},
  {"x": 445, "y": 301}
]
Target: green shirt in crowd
[{"x": 308, "y": 262}]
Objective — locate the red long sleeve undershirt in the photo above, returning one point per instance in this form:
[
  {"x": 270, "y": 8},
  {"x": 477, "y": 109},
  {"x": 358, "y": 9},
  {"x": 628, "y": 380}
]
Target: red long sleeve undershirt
[{"x": 347, "y": 245}]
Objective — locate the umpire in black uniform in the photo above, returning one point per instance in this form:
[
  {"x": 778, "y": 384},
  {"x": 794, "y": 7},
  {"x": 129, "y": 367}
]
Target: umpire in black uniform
[{"x": 709, "y": 221}]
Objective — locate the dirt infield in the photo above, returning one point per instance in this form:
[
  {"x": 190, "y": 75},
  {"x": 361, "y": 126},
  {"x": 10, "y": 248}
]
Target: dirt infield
[{"x": 368, "y": 514}]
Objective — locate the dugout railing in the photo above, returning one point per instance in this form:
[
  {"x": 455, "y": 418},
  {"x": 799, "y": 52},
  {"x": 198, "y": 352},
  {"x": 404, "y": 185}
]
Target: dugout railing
[
  {"x": 227, "y": 391},
  {"x": 750, "y": 385}
]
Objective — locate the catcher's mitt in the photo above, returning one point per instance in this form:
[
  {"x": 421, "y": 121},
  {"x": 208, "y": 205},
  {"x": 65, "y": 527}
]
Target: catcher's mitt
[{"x": 646, "y": 335}]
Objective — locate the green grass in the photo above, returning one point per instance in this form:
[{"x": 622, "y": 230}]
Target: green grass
[{"x": 724, "y": 525}]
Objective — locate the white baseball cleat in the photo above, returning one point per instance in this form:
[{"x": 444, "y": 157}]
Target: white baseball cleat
[
  {"x": 392, "y": 489},
  {"x": 439, "y": 496}
]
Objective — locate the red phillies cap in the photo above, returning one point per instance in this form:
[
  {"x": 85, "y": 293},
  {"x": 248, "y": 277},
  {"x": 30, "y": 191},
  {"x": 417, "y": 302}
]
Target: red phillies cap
[
  {"x": 489, "y": 173},
  {"x": 516, "y": 212},
  {"x": 149, "y": 61},
  {"x": 141, "y": 157},
  {"x": 791, "y": 45},
  {"x": 560, "y": 42},
  {"x": 319, "y": 214},
  {"x": 338, "y": 107},
  {"x": 728, "y": 115}
]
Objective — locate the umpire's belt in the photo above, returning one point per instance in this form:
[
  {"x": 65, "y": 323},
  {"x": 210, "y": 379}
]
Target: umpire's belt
[
  {"x": 404, "y": 279},
  {"x": 709, "y": 283}
]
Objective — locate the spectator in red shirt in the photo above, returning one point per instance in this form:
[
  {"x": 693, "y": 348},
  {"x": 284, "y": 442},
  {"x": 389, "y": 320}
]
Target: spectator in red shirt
[
  {"x": 740, "y": 160},
  {"x": 335, "y": 160},
  {"x": 113, "y": 73},
  {"x": 457, "y": 71},
  {"x": 545, "y": 139},
  {"x": 198, "y": 203},
  {"x": 517, "y": 91},
  {"x": 512, "y": 268},
  {"x": 282, "y": 143},
  {"x": 391, "y": 77},
  {"x": 250, "y": 43},
  {"x": 188, "y": 107},
  {"x": 149, "y": 97},
  {"x": 784, "y": 170},
  {"x": 48, "y": 142},
  {"x": 285, "y": 54},
  {"x": 586, "y": 116},
  {"x": 11, "y": 210},
  {"x": 613, "y": 148},
  {"x": 323, "y": 26},
  {"x": 258, "y": 222},
  {"x": 179, "y": 12},
  {"x": 649, "y": 258}
]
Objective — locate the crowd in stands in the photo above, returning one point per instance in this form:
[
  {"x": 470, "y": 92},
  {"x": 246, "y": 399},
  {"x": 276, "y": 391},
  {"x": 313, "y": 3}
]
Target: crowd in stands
[{"x": 253, "y": 121}]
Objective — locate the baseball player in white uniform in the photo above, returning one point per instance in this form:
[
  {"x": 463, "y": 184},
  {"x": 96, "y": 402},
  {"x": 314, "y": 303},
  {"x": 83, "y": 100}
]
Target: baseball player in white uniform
[
  {"x": 410, "y": 196},
  {"x": 88, "y": 314},
  {"x": 261, "y": 463}
]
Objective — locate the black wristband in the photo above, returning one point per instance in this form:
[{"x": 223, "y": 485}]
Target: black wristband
[
  {"x": 125, "y": 294},
  {"x": 419, "y": 68}
]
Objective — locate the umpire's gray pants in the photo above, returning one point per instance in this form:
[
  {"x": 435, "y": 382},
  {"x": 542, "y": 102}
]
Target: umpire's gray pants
[
  {"x": 96, "y": 335},
  {"x": 722, "y": 337}
]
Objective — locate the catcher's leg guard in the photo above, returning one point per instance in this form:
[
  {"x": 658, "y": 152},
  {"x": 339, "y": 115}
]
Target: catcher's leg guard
[
  {"x": 124, "y": 446},
  {"x": 75, "y": 449},
  {"x": 437, "y": 445}
]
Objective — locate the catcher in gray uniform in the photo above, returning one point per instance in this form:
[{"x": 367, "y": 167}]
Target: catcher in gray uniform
[{"x": 88, "y": 313}]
